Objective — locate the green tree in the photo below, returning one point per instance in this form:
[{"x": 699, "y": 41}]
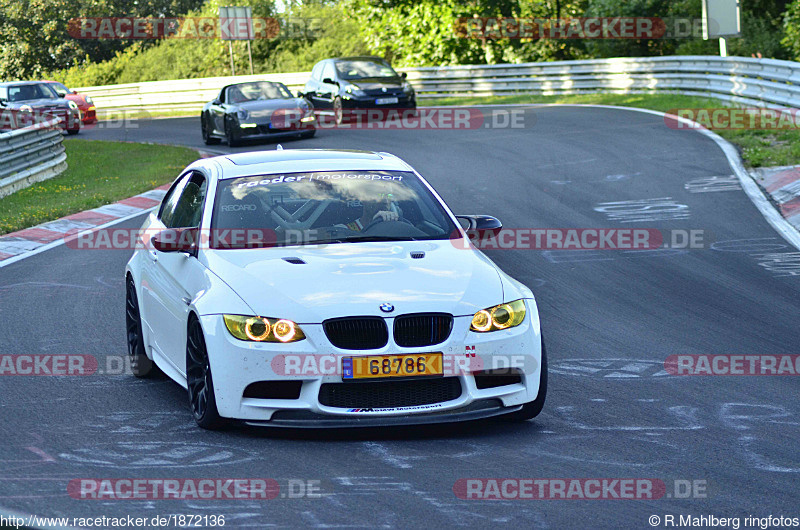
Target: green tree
[{"x": 34, "y": 37}]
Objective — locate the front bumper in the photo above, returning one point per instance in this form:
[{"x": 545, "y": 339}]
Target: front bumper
[
  {"x": 404, "y": 101},
  {"x": 237, "y": 364},
  {"x": 260, "y": 129},
  {"x": 89, "y": 114},
  {"x": 303, "y": 419}
]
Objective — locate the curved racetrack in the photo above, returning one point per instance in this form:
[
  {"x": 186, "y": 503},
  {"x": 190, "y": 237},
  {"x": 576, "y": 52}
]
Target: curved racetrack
[{"x": 610, "y": 319}]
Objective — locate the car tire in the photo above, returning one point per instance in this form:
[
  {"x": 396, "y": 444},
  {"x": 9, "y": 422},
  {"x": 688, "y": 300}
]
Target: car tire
[
  {"x": 199, "y": 383},
  {"x": 141, "y": 365},
  {"x": 338, "y": 111},
  {"x": 532, "y": 409},
  {"x": 73, "y": 132},
  {"x": 207, "y": 138},
  {"x": 233, "y": 139},
  {"x": 308, "y": 134}
]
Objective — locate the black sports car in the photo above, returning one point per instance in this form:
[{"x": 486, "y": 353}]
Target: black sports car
[
  {"x": 256, "y": 110},
  {"x": 348, "y": 83},
  {"x": 20, "y": 101}
]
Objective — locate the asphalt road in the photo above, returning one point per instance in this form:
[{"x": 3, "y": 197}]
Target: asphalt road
[{"x": 610, "y": 319}]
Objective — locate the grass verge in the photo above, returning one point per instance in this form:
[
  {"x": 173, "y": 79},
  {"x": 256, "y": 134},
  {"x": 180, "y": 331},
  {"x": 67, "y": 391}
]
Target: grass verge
[
  {"x": 759, "y": 148},
  {"x": 99, "y": 173}
]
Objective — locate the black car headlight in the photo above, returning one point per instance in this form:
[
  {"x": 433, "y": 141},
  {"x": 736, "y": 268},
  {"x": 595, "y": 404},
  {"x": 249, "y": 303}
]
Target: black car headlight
[
  {"x": 502, "y": 316},
  {"x": 242, "y": 114},
  {"x": 260, "y": 329}
]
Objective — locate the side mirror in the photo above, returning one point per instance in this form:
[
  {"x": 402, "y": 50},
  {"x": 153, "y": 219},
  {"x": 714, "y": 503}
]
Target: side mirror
[
  {"x": 215, "y": 102},
  {"x": 176, "y": 240},
  {"x": 403, "y": 75},
  {"x": 480, "y": 224},
  {"x": 300, "y": 94},
  {"x": 329, "y": 81},
  {"x": 3, "y": 102}
]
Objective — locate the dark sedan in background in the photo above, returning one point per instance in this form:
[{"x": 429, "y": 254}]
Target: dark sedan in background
[
  {"x": 256, "y": 110},
  {"x": 341, "y": 85},
  {"x": 36, "y": 99}
]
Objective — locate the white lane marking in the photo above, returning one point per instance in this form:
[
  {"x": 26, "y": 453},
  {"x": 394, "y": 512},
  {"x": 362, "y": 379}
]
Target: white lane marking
[
  {"x": 643, "y": 210},
  {"x": 382, "y": 451},
  {"x": 59, "y": 242},
  {"x": 713, "y": 184},
  {"x": 750, "y": 420},
  {"x": 65, "y": 225},
  {"x": 117, "y": 209}
]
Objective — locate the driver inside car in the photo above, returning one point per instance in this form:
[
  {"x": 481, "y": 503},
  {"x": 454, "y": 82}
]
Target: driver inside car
[{"x": 374, "y": 211}]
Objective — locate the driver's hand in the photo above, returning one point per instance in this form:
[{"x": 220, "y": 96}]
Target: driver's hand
[{"x": 385, "y": 215}]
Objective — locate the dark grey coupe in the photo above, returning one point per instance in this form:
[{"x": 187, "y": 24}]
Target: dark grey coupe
[{"x": 256, "y": 110}]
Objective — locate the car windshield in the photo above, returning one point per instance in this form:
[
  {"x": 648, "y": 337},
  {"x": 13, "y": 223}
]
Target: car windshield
[
  {"x": 329, "y": 207},
  {"x": 257, "y": 90},
  {"x": 31, "y": 91},
  {"x": 363, "y": 68}
]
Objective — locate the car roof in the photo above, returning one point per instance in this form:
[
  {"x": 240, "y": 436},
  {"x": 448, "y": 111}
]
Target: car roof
[
  {"x": 360, "y": 57},
  {"x": 255, "y": 81},
  {"x": 304, "y": 160},
  {"x": 17, "y": 83}
]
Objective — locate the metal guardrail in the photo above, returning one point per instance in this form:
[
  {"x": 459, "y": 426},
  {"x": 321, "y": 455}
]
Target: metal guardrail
[
  {"x": 31, "y": 154},
  {"x": 742, "y": 80}
]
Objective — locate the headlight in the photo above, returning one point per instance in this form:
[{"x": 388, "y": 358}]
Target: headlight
[
  {"x": 72, "y": 104},
  {"x": 407, "y": 88},
  {"x": 242, "y": 114},
  {"x": 499, "y": 317},
  {"x": 88, "y": 100},
  {"x": 352, "y": 89},
  {"x": 260, "y": 329}
]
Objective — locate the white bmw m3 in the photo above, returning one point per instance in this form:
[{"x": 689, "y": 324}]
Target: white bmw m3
[{"x": 322, "y": 288}]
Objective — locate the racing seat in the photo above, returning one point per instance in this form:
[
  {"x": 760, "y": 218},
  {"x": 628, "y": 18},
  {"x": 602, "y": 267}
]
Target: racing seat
[{"x": 246, "y": 219}]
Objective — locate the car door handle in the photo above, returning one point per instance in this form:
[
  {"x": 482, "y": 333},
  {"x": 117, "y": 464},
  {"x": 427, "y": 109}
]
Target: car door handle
[
  {"x": 153, "y": 255},
  {"x": 186, "y": 300}
]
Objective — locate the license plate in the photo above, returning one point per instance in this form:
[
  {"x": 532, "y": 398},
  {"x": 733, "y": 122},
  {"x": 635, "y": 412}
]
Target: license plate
[
  {"x": 386, "y": 101},
  {"x": 379, "y": 366}
]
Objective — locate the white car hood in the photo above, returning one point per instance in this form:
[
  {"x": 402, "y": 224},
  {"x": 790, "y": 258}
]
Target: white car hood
[{"x": 354, "y": 279}]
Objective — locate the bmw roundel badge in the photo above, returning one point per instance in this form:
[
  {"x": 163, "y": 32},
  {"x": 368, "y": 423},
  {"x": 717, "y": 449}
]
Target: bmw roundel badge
[{"x": 387, "y": 308}]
